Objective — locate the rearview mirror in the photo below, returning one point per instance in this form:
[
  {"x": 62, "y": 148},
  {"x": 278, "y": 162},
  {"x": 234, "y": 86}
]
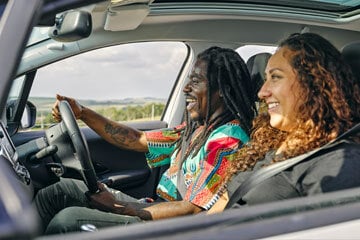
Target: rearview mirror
[{"x": 71, "y": 26}]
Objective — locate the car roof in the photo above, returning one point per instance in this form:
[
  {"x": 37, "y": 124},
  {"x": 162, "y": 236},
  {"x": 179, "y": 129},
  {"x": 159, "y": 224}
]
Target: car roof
[
  {"x": 232, "y": 23},
  {"x": 340, "y": 6},
  {"x": 258, "y": 22}
]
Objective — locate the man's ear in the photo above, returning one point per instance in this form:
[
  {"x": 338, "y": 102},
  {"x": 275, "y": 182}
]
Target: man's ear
[{"x": 220, "y": 94}]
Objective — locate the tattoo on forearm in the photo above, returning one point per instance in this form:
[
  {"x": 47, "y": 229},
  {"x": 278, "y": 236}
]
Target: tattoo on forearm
[{"x": 121, "y": 135}]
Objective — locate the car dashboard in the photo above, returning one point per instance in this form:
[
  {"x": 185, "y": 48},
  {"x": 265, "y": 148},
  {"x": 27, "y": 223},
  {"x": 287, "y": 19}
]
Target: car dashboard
[
  {"x": 16, "y": 213},
  {"x": 8, "y": 151}
]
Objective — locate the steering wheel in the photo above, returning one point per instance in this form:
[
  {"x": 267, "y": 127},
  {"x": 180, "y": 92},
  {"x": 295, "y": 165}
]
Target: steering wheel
[{"x": 80, "y": 145}]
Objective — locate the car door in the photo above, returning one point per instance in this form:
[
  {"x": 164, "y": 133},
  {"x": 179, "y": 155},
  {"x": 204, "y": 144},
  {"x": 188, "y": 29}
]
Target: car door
[{"x": 125, "y": 83}]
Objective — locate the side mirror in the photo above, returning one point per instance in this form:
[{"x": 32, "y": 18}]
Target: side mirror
[
  {"x": 71, "y": 26},
  {"x": 28, "y": 118}
]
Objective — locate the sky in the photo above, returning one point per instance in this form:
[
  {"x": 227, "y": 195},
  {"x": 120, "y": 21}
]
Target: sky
[{"x": 118, "y": 72}]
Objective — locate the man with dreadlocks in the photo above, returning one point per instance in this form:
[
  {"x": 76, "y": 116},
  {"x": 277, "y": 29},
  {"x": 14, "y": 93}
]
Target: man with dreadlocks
[{"x": 219, "y": 111}]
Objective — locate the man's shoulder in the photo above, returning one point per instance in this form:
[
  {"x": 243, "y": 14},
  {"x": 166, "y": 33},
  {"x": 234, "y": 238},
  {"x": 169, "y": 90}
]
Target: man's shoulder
[
  {"x": 233, "y": 124},
  {"x": 230, "y": 129}
]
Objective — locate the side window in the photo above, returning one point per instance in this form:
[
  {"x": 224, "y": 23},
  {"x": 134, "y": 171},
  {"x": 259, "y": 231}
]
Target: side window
[{"x": 125, "y": 82}]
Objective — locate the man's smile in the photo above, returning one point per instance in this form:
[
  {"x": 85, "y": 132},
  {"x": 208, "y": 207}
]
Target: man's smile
[{"x": 190, "y": 102}]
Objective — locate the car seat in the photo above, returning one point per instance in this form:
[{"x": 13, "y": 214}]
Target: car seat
[
  {"x": 256, "y": 65},
  {"x": 351, "y": 53}
]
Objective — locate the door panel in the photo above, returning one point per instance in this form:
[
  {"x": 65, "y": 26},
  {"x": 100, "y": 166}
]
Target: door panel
[{"x": 120, "y": 169}]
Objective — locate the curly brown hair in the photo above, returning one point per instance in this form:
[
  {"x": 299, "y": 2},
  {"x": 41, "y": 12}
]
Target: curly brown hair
[{"x": 331, "y": 104}]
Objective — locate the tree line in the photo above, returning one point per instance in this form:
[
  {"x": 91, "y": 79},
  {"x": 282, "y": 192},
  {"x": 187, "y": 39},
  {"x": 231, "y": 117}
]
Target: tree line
[{"x": 149, "y": 111}]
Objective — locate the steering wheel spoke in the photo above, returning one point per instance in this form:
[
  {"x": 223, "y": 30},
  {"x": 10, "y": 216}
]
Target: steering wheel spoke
[{"x": 80, "y": 146}]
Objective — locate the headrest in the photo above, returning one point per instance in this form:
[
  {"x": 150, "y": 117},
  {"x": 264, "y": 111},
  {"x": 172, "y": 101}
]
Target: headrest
[
  {"x": 351, "y": 54},
  {"x": 352, "y": 51},
  {"x": 256, "y": 65}
]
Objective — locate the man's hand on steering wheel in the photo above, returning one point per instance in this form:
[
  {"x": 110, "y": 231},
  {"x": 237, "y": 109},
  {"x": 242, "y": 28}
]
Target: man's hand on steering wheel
[
  {"x": 75, "y": 106},
  {"x": 63, "y": 107}
]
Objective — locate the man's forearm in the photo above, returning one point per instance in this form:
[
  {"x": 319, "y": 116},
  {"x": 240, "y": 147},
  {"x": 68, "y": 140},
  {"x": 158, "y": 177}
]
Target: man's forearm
[
  {"x": 157, "y": 211},
  {"x": 172, "y": 209},
  {"x": 114, "y": 132}
]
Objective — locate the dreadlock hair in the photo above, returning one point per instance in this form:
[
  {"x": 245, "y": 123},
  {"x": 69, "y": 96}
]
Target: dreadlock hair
[
  {"x": 330, "y": 98},
  {"x": 226, "y": 72}
]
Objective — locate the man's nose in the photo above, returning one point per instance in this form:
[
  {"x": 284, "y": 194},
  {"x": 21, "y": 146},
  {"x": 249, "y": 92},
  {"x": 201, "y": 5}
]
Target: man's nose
[{"x": 187, "y": 87}]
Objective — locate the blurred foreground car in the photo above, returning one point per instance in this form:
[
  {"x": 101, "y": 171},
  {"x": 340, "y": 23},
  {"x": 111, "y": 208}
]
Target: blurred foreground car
[{"x": 86, "y": 45}]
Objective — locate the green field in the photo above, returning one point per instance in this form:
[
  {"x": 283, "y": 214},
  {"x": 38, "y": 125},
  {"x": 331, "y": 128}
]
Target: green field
[{"x": 130, "y": 109}]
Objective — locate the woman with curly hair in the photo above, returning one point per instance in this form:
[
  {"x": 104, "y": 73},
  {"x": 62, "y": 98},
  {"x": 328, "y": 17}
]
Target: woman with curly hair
[{"x": 312, "y": 97}]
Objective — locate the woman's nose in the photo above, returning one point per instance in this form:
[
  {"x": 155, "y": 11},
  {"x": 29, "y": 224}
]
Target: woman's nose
[{"x": 264, "y": 91}]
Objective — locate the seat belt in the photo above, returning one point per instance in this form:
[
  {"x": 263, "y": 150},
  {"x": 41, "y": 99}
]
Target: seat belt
[
  {"x": 181, "y": 187},
  {"x": 265, "y": 173}
]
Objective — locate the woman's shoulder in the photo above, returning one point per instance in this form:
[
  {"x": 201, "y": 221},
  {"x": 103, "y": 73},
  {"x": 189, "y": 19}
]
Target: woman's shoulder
[
  {"x": 344, "y": 155},
  {"x": 334, "y": 169},
  {"x": 344, "y": 150}
]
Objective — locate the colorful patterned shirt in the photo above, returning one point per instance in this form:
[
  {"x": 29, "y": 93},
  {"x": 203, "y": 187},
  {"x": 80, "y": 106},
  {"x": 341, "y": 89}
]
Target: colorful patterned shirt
[{"x": 204, "y": 172}]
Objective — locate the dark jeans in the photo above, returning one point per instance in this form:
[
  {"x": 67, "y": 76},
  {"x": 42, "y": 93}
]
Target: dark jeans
[{"x": 63, "y": 207}]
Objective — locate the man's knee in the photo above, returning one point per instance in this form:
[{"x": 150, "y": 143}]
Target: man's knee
[
  {"x": 72, "y": 218},
  {"x": 65, "y": 221}
]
